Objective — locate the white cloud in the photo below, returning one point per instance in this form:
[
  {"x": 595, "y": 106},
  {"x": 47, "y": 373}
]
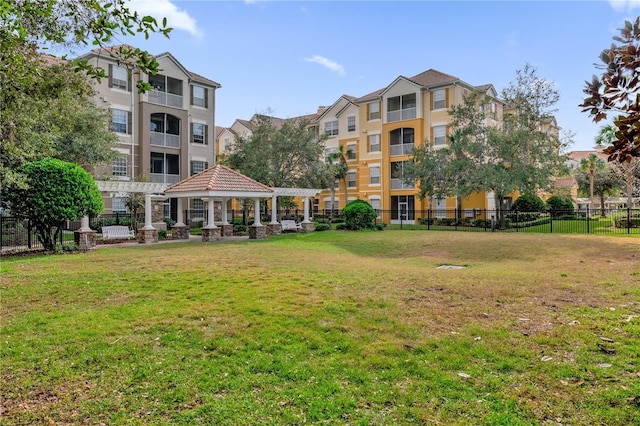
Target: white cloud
[
  {"x": 327, "y": 63},
  {"x": 624, "y": 5},
  {"x": 159, "y": 9}
]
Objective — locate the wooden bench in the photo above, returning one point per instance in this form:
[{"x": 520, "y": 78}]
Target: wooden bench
[
  {"x": 290, "y": 225},
  {"x": 115, "y": 232}
]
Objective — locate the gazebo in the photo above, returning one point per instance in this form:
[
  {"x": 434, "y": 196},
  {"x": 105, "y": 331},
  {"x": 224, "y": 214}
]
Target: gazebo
[{"x": 220, "y": 183}]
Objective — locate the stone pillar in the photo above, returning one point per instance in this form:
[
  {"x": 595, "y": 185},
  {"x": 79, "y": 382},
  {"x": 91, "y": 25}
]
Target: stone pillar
[
  {"x": 227, "y": 230},
  {"x": 179, "y": 232},
  {"x": 148, "y": 234},
  {"x": 211, "y": 234},
  {"x": 274, "y": 229},
  {"x": 85, "y": 237},
  {"x": 257, "y": 232},
  {"x": 306, "y": 227}
]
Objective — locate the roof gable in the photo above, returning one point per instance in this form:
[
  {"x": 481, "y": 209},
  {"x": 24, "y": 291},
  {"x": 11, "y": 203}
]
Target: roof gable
[{"x": 219, "y": 178}]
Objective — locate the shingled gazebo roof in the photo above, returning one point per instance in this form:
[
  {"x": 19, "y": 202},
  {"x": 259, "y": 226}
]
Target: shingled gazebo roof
[{"x": 219, "y": 181}]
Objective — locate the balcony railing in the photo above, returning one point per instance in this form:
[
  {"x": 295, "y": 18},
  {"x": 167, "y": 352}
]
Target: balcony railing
[
  {"x": 164, "y": 178},
  {"x": 164, "y": 98},
  {"x": 165, "y": 139},
  {"x": 402, "y": 149},
  {"x": 401, "y": 114},
  {"x": 400, "y": 184}
]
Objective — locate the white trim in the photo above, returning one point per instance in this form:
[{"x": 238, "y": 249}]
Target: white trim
[{"x": 124, "y": 151}]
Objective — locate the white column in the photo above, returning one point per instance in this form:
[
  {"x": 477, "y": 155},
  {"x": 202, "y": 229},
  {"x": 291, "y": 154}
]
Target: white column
[
  {"x": 306, "y": 210},
  {"x": 147, "y": 212},
  {"x": 274, "y": 213},
  {"x": 256, "y": 212},
  {"x": 84, "y": 224},
  {"x": 180, "y": 221},
  {"x": 211, "y": 222},
  {"x": 224, "y": 211}
]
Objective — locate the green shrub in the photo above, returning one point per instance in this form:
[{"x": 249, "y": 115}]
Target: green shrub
[
  {"x": 162, "y": 234},
  {"x": 359, "y": 214},
  {"x": 170, "y": 222},
  {"x": 322, "y": 227},
  {"x": 528, "y": 203},
  {"x": 559, "y": 203}
]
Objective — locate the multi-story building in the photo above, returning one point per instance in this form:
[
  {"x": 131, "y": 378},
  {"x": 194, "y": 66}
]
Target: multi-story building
[
  {"x": 166, "y": 134},
  {"x": 378, "y": 132}
]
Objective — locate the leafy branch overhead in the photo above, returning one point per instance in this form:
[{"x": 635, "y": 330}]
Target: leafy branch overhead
[
  {"x": 616, "y": 92},
  {"x": 30, "y": 26}
]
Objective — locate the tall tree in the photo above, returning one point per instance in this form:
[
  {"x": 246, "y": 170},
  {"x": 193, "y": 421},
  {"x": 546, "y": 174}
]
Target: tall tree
[
  {"x": 630, "y": 170},
  {"x": 279, "y": 156},
  {"x": 29, "y": 28},
  {"x": 597, "y": 178},
  {"x": 591, "y": 165},
  {"x": 615, "y": 92},
  {"x": 519, "y": 155},
  {"x": 340, "y": 169}
]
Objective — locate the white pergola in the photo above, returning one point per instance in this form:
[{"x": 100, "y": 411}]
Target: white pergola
[{"x": 149, "y": 189}]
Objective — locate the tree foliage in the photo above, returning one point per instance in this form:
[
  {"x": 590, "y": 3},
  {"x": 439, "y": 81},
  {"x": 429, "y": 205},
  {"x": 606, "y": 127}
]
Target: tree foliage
[
  {"x": 615, "y": 92},
  {"x": 598, "y": 178},
  {"x": 52, "y": 115},
  {"x": 528, "y": 203},
  {"x": 285, "y": 156},
  {"x": 57, "y": 191},
  {"x": 482, "y": 156}
]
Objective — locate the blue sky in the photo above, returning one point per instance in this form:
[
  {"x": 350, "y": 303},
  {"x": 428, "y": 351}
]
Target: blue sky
[{"x": 292, "y": 56}]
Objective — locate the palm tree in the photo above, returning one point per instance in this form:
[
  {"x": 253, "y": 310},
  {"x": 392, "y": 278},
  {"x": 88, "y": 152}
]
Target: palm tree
[
  {"x": 592, "y": 164},
  {"x": 607, "y": 136},
  {"x": 338, "y": 169}
]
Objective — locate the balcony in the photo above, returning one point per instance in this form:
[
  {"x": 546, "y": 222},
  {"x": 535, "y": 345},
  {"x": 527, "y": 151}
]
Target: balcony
[
  {"x": 400, "y": 184},
  {"x": 401, "y": 149},
  {"x": 164, "y": 178},
  {"x": 163, "y": 98},
  {"x": 401, "y": 114},
  {"x": 165, "y": 139}
]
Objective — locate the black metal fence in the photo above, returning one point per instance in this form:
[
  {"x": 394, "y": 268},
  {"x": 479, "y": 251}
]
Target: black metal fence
[{"x": 20, "y": 235}]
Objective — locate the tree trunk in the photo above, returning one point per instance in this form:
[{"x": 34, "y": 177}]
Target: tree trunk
[{"x": 333, "y": 197}]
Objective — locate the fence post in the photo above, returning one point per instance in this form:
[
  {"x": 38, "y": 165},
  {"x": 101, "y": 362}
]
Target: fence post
[
  {"x": 517, "y": 223},
  {"x": 428, "y": 219},
  {"x": 628, "y": 220},
  {"x": 455, "y": 219},
  {"x": 588, "y": 220}
]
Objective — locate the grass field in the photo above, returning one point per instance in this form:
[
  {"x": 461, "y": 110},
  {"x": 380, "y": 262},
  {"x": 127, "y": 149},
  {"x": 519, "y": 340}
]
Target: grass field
[{"x": 327, "y": 328}]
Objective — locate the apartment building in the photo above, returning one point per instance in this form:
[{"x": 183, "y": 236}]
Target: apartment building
[
  {"x": 166, "y": 134},
  {"x": 378, "y": 132}
]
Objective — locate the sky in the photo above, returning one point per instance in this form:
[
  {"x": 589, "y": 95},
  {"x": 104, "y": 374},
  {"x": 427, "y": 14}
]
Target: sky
[{"x": 286, "y": 58}]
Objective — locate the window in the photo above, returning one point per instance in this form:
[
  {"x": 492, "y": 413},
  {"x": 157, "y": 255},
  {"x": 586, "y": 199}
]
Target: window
[
  {"x": 227, "y": 144},
  {"x": 199, "y": 96},
  {"x": 119, "y": 77},
  {"x": 374, "y": 175},
  {"x": 374, "y": 110},
  {"x": 351, "y": 123},
  {"x": 439, "y": 99},
  {"x": 351, "y": 179},
  {"x": 493, "y": 110},
  {"x": 119, "y": 166},
  {"x": 327, "y": 205},
  {"x": 439, "y": 207},
  {"x": 331, "y": 128},
  {"x": 374, "y": 143},
  {"x": 328, "y": 153},
  {"x": 351, "y": 151},
  {"x": 198, "y": 206},
  {"x": 165, "y": 130},
  {"x": 398, "y": 177},
  {"x": 199, "y": 133},
  {"x": 118, "y": 205},
  {"x": 401, "y": 141},
  {"x": 401, "y": 107},
  {"x": 375, "y": 203},
  {"x": 402, "y": 207},
  {"x": 164, "y": 168},
  {"x": 198, "y": 166},
  {"x": 440, "y": 135},
  {"x": 119, "y": 120}
]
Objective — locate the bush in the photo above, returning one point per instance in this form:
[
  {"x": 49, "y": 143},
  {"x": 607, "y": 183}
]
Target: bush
[
  {"x": 162, "y": 234},
  {"x": 359, "y": 214},
  {"x": 528, "y": 203},
  {"x": 322, "y": 227},
  {"x": 170, "y": 222},
  {"x": 559, "y": 203}
]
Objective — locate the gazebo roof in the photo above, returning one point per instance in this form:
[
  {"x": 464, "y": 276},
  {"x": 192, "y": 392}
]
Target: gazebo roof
[{"x": 219, "y": 181}]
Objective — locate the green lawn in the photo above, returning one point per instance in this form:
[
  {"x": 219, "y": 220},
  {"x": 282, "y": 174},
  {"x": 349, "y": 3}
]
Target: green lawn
[{"x": 327, "y": 328}]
